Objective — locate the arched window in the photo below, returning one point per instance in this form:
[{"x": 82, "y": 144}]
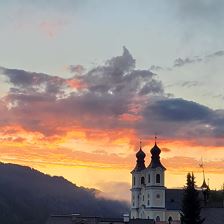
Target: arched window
[
  {"x": 134, "y": 181},
  {"x": 157, "y": 218},
  {"x": 157, "y": 178},
  {"x": 149, "y": 178},
  {"x": 142, "y": 180},
  {"x": 170, "y": 219}
]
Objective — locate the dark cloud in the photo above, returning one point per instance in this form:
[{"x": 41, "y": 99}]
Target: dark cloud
[
  {"x": 156, "y": 68},
  {"x": 108, "y": 92},
  {"x": 179, "y": 62},
  {"x": 216, "y": 54},
  {"x": 179, "y": 110},
  {"x": 189, "y": 84},
  {"x": 77, "y": 69},
  {"x": 99, "y": 100}
]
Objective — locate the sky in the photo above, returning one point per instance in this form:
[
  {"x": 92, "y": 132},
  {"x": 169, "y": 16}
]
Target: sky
[{"x": 82, "y": 81}]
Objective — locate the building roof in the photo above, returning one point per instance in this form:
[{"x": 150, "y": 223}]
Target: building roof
[
  {"x": 60, "y": 219},
  {"x": 174, "y": 199},
  {"x": 74, "y": 219},
  {"x": 213, "y": 215},
  {"x": 141, "y": 221},
  {"x": 155, "y": 158},
  {"x": 140, "y": 163}
]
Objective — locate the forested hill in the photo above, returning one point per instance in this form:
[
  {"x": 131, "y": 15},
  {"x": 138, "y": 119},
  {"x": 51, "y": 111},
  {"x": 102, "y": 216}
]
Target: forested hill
[{"x": 28, "y": 196}]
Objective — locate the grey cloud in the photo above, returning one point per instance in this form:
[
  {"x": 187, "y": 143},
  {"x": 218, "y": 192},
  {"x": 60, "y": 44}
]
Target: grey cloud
[
  {"x": 180, "y": 110},
  {"x": 179, "y": 118},
  {"x": 32, "y": 81},
  {"x": 77, "y": 69},
  {"x": 119, "y": 76},
  {"x": 179, "y": 62},
  {"x": 110, "y": 91},
  {"x": 216, "y": 54},
  {"x": 189, "y": 84},
  {"x": 155, "y": 68}
]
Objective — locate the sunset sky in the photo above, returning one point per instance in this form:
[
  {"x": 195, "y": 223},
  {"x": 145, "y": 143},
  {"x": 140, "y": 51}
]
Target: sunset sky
[{"x": 81, "y": 81}]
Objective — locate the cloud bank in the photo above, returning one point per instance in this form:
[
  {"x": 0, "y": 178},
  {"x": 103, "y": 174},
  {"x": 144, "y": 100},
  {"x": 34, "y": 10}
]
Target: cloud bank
[{"x": 112, "y": 96}]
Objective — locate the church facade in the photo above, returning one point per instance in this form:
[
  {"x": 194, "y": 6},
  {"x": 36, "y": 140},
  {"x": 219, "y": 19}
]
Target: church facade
[{"x": 148, "y": 192}]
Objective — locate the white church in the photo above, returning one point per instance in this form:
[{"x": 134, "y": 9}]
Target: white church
[{"x": 148, "y": 192}]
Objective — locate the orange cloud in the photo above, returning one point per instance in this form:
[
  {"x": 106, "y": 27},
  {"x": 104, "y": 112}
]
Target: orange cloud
[{"x": 75, "y": 84}]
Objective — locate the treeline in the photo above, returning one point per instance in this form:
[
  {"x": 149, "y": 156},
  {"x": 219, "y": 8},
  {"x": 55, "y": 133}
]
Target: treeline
[{"x": 28, "y": 196}]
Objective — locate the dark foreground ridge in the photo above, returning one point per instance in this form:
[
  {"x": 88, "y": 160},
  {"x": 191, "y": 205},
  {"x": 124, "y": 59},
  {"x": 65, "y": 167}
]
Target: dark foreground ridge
[{"x": 28, "y": 196}]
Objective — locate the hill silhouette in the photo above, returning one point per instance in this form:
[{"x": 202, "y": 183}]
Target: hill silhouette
[{"x": 28, "y": 196}]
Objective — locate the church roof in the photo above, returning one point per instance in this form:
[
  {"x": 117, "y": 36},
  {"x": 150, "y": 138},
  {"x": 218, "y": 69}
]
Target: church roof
[
  {"x": 155, "y": 158},
  {"x": 140, "y": 163},
  {"x": 174, "y": 199}
]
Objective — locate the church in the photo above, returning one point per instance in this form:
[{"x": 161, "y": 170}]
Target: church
[
  {"x": 149, "y": 197},
  {"x": 151, "y": 201}
]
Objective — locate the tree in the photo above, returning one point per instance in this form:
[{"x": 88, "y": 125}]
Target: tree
[{"x": 191, "y": 207}]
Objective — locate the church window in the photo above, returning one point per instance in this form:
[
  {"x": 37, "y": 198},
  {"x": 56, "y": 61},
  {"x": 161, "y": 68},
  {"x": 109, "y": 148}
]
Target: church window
[
  {"x": 143, "y": 198},
  {"x": 134, "y": 180},
  {"x": 158, "y": 196},
  {"x": 148, "y": 203},
  {"x": 149, "y": 178},
  {"x": 142, "y": 180},
  {"x": 157, "y": 178},
  {"x": 157, "y": 218},
  {"x": 170, "y": 219},
  {"x": 148, "y": 195}
]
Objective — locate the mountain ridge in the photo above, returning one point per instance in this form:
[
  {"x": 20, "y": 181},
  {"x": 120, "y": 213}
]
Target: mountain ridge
[{"x": 30, "y": 196}]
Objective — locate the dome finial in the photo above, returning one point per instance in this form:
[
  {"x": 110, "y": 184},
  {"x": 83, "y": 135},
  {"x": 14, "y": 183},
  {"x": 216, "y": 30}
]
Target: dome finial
[
  {"x": 155, "y": 138},
  {"x": 140, "y": 143}
]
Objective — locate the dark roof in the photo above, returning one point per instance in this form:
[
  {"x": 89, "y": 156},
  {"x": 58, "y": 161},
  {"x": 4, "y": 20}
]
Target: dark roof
[
  {"x": 213, "y": 215},
  {"x": 141, "y": 221},
  {"x": 204, "y": 185},
  {"x": 174, "y": 199},
  {"x": 71, "y": 219},
  {"x": 155, "y": 158},
  {"x": 77, "y": 219},
  {"x": 140, "y": 163},
  {"x": 63, "y": 219}
]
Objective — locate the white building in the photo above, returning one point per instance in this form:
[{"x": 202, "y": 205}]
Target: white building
[{"x": 148, "y": 189}]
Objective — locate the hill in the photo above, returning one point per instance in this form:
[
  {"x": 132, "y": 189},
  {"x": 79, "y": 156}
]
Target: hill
[{"x": 28, "y": 196}]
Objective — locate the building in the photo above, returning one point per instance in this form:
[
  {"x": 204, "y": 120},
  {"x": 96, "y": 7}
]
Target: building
[
  {"x": 78, "y": 219},
  {"x": 151, "y": 201},
  {"x": 148, "y": 190}
]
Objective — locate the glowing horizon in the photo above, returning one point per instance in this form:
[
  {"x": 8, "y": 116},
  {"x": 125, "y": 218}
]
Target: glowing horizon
[{"x": 74, "y": 103}]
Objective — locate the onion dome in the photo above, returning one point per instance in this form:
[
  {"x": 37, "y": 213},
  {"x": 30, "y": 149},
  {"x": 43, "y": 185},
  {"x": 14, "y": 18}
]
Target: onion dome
[
  {"x": 140, "y": 154},
  {"x": 155, "y": 158},
  {"x": 140, "y": 162}
]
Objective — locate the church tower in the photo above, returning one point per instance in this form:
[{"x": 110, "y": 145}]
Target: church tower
[
  {"x": 138, "y": 184},
  {"x": 148, "y": 187}
]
